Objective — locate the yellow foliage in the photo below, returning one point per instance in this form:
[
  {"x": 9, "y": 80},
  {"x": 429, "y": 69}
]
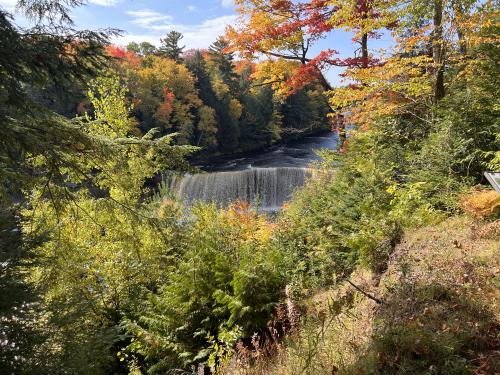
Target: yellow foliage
[
  {"x": 275, "y": 73},
  {"x": 388, "y": 89},
  {"x": 207, "y": 126},
  {"x": 235, "y": 109},
  {"x": 481, "y": 203},
  {"x": 159, "y": 76},
  {"x": 347, "y": 15},
  {"x": 249, "y": 225}
]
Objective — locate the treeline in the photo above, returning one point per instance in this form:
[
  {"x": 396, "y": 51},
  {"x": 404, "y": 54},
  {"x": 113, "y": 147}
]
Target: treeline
[{"x": 211, "y": 100}]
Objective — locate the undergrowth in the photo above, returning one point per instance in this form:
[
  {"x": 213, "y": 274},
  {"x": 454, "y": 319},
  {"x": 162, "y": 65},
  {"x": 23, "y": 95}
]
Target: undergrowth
[{"x": 439, "y": 313}]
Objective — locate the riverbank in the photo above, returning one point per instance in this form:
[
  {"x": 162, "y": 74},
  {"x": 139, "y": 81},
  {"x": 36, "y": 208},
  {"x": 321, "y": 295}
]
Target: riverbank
[{"x": 267, "y": 156}]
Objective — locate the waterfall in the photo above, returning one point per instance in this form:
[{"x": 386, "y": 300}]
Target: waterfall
[{"x": 267, "y": 188}]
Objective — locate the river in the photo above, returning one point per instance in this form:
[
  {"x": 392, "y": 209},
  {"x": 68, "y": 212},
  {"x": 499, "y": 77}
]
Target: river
[{"x": 266, "y": 179}]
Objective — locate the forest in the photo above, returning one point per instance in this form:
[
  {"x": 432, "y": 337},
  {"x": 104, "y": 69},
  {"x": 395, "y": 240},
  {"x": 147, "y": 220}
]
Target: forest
[{"x": 386, "y": 261}]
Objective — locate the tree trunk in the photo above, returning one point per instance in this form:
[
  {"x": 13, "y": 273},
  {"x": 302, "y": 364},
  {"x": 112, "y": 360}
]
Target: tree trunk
[
  {"x": 364, "y": 51},
  {"x": 438, "y": 50}
]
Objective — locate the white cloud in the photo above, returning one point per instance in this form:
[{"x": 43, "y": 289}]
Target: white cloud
[
  {"x": 148, "y": 18},
  {"x": 191, "y": 8},
  {"x": 227, "y": 3},
  {"x": 195, "y": 36},
  {"x": 105, "y": 3},
  {"x": 201, "y": 36},
  {"x": 8, "y": 5}
]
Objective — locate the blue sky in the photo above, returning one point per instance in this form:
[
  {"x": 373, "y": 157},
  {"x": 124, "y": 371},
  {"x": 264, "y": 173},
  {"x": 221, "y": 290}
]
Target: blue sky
[{"x": 201, "y": 21}]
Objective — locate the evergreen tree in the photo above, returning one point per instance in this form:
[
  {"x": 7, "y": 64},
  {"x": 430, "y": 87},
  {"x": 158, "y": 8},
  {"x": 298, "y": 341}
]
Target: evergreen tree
[
  {"x": 170, "y": 47},
  {"x": 35, "y": 59},
  {"x": 256, "y": 125},
  {"x": 225, "y": 83},
  {"x": 224, "y": 60},
  {"x": 197, "y": 66}
]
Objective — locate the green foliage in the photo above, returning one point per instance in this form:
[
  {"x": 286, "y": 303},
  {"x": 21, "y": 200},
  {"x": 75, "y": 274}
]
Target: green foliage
[
  {"x": 111, "y": 114},
  {"x": 342, "y": 216},
  {"x": 142, "y": 49},
  {"x": 36, "y": 59},
  {"x": 120, "y": 282},
  {"x": 403, "y": 171},
  {"x": 305, "y": 112},
  {"x": 98, "y": 251},
  {"x": 97, "y": 264},
  {"x": 170, "y": 47},
  {"x": 228, "y": 279}
]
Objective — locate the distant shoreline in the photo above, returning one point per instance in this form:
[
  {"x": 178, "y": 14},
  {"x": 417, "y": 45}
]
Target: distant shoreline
[{"x": 206, "y": 163}]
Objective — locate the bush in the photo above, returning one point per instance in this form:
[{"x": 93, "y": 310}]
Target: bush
[
  {"x": 228, "y": 280},
  {"x": 482, "y": 203}
]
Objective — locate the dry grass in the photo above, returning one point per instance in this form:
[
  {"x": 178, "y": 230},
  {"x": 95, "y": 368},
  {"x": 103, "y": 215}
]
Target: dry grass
[{"x": 440, "y": 315}]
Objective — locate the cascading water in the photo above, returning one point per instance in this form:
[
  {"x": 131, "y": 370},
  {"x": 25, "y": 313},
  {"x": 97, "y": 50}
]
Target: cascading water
[{"x": 267, "y": 188}]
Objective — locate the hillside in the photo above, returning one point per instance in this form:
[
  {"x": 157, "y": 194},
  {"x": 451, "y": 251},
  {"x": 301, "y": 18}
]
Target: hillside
[{"x": 439, "y": 312}]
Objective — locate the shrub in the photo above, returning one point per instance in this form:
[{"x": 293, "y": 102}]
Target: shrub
[
  {"x": 227, "y": 281},
  {"x": 482, "y": 203}
]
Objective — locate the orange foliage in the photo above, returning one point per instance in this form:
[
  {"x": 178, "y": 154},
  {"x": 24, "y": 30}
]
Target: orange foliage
[
  {"x": 481, "y": 203},
  {"x": 166, "y": 108},
  {"x": 249, "y": 225},
  {"x": 127, "y": 56},
  {"x": 241, "y": 65}
]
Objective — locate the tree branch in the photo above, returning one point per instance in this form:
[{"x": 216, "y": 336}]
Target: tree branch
[{"x": 365, "y": 293}]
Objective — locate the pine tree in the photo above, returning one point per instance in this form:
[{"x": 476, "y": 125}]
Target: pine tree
[
  {"x": 37, "y": 58},
  {"x": 170, "y": 46},
  {"x": 197, "y": 66},
  {"x": 224, "y": 60}
]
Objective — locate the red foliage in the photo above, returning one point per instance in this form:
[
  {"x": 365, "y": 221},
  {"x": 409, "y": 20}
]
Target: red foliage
[
  {"x": 116, "y": 52},
  {"x": 166, "y": 108},
  {"x": 119, "y": 53}
]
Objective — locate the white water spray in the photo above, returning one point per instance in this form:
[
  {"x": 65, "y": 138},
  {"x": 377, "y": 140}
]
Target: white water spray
[{"x": 267, "y": 188}]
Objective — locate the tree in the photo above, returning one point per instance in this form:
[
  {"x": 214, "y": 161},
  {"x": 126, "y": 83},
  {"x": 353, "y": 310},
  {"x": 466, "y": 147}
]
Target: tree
[
  {"x": 167, "y": 97},
  {"x": 147, "y": 48},
  {"x": 46, "y": 55},
  {"x": 141, "y": 49},
  {"x": 207, "y": 128},
  {"x": 134, "y": 47},
  {"x": 103, "y": 248},
  {"x": 170, "y": 46},
  {"x": 288, "y": 30},
  {"x": 225, "y": 85},
  {"x": 47, "y": 163},
  {"x": 285, "y": 30},
  {"x": 225, "y": 285},
  {"x": 223, "y": 58},
  {"x": 196, "y": 63}
]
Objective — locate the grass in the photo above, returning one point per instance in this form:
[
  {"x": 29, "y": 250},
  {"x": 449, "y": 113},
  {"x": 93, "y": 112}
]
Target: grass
[{"x": 440, "y": 314}]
